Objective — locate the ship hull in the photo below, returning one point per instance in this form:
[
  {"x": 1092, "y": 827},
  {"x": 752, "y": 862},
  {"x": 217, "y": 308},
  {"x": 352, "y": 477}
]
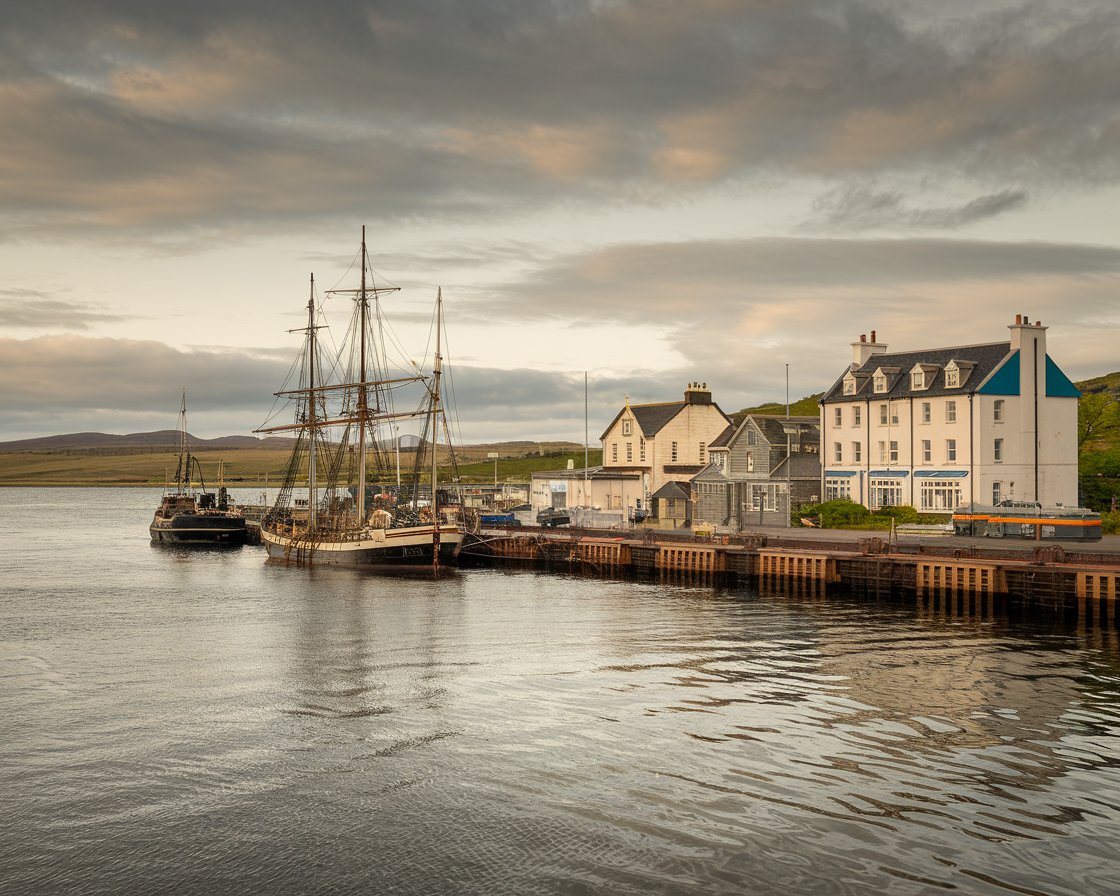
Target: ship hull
[
  {"x": 201, "y": 529},
  {"x": 411, "y": 546}
]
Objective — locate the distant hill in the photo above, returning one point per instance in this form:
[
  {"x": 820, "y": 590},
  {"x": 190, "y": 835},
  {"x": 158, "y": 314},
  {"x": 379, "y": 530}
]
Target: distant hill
[
  {"x": 1110, "y": 382},
  {"x": 803, "y": 407},
  {"x": 161, "y": 440}
]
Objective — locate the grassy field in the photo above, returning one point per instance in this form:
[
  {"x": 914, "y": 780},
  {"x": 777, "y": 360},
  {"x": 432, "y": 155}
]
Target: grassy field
[{"x": 248, "y": 466}]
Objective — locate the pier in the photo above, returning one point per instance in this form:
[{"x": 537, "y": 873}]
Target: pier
[{"x": 1081, "y": 578}]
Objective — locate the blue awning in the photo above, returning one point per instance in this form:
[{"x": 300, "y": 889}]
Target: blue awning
[
  {"x": 888, "y": 474},
  {"x": 831, "y": 474},
  {"x": 941, "y": 474}
]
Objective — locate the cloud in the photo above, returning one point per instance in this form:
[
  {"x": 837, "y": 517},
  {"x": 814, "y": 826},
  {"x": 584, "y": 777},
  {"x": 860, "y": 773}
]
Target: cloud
[
  {"x": 855, "y": 207},
  {"x": 128, "y": 116},
  {"x": 30, "y": 309}
]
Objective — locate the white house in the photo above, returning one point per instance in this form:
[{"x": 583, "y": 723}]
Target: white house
[
  {"x": 663, "y": 442},
  {"x": 943, "y": 427}
]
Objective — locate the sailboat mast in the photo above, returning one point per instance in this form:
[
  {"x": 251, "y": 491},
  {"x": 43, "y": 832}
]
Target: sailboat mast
[
  {"x": 436, "y": 368},
  {"x": 312, "y": 425},
  {"x": 363, "y": 407},
  {"x": 181, "y": 474}
]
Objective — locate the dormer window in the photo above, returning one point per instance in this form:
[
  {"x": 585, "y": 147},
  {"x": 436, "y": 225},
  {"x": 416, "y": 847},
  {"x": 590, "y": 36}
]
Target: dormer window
[
  {"x": 952, "y": 377},
  {"x": 849, "y": 385},
  {"x": 922, "y": 376},
  {"x": 880, "y": 381}
]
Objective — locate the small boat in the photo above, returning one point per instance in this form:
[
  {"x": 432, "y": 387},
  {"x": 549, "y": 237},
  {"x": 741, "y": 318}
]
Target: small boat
[
  {"x": 188, "y": 516},
  {"x": 344, "y": 500}
]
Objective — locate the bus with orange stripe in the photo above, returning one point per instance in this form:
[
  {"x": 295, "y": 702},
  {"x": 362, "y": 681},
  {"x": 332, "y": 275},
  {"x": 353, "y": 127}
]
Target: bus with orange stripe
[{"x": 1023, "y": 520}]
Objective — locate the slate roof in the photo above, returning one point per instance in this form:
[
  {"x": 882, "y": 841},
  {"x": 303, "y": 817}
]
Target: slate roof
[
  {"x": 652, "y": 418},
  {"x": 986, "y": 358},
  {"x": 773, "y": 428},
  {"x": 802, "y": 466},
  {"x": 723, "y": 439},
  {"x": 673, "y": 489}
]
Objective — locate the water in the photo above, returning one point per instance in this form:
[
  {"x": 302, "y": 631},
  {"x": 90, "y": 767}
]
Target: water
[{"x": 201, "y": 722}]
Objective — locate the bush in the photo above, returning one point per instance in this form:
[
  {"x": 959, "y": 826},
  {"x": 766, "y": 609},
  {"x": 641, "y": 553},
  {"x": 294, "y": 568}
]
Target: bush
[
  {"x": 1110, "y": 522},
  {"x": 903, "y": 513},
  {"x": 840, "y": 514}
]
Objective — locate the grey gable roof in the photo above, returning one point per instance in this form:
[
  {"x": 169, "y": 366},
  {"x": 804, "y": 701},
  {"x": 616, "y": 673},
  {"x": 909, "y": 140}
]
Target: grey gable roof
[
  {"x": 773, "y": 428},
  {"x": 723, "y": 439},
  {"x": 651, "y": 418},
  {"x": 986, "y": 358}
]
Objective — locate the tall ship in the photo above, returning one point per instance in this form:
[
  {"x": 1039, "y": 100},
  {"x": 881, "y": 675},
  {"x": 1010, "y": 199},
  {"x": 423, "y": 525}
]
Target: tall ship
[
  {"x": 346, "y": 498},
  {"x": 191, "y": 516}
]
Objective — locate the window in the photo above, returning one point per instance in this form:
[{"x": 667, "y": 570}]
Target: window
[
  {"x": 950, "y": 412},
  {"x": 894, "y": 452},
  {"x": 997, "y": 410},
  {"x": 997, "y": 492},
  {"x": 763, "y": 497},
  {"x": 626, "y": 427},
  {"x": 884, "y": 493},
  {"x": 673, "y": 452},
  {"x": 838, "y": 416},
  {"x": 880, "y": 382},
  {"x": 894, "y": 414},
  {"x": 614, "y": 452},
  {"x": 882, "y": 452},
  {"x": 927, "y": 451},
  {"x": 750, "y": 436},
  {"x": 940, "y": 495},
  {"x": 856, "y": 415},
  {"x": 925, "y": 412},
  {"x": 997, "y": 453},
  {"x": 642, "y": 450},
  {"x": 883, "y": 414},
  {"x": 918, "y": 380},
  {"x": 703, "y": 452},
  {"x": 629, "y": 452},
  {"x": 835, "y": 489},
  {"x": 750, "y": 462},
  {"x": 952, "y": 378},
  {"x": 857, "y": 452},
  {"x": 951, "y": 450},
  {"x": 850, "y": 386},
  {"x": 838, "y": 452}
]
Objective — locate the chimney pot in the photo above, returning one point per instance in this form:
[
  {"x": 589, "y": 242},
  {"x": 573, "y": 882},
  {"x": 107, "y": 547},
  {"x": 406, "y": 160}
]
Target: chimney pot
[
  {"x": 873, "y": 336},
  {"x": 1018, "y": 318},
  {"x": 863, "y": 337}
]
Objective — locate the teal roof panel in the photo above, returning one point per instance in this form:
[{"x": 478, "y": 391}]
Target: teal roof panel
[
  {"x": 1058, "y": 385},
  {"x": 1004, "y": 379}
]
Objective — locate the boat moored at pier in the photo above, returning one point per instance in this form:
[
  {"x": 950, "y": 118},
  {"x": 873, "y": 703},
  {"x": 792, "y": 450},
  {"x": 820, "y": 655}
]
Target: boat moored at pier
[
  {"x": 187, "y": 516},
  {"x": 348, "y": 407}
]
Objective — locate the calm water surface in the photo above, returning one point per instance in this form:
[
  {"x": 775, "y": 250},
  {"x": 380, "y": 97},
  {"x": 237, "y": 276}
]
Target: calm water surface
[{"x": 203, "y": 722}]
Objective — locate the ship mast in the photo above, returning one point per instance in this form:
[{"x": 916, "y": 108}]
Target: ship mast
[
  {"x": 363, "y": 406},
  {"x": 436, "y": 368},
  {"x": 312, "y": 478}
]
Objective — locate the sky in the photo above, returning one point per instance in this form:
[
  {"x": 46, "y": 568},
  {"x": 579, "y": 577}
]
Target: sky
[{"x": 643, "y": 194}]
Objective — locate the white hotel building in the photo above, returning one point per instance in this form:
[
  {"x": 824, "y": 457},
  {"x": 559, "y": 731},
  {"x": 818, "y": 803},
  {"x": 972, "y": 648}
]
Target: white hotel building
[{"x": 944, "y": 427}]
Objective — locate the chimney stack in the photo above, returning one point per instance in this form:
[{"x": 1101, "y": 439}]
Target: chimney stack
[{"x": 863, "y": 350}]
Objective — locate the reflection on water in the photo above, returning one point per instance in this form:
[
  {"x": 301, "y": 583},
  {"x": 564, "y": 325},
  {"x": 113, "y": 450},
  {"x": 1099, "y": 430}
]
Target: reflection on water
[{"x": 200, "y": 722}]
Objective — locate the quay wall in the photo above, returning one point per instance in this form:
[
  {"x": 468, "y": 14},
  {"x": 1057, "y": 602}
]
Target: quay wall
[{"x": 1069, "y": 577}]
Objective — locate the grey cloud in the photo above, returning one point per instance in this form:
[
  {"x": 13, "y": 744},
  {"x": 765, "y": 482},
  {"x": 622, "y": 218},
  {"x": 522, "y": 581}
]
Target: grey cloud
[
  {"x": 26, "y": 309},
  {"x": 236, "y": 112},
  {"x": 665, "y": 281},
  {"x": 852, "y": 208}
]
